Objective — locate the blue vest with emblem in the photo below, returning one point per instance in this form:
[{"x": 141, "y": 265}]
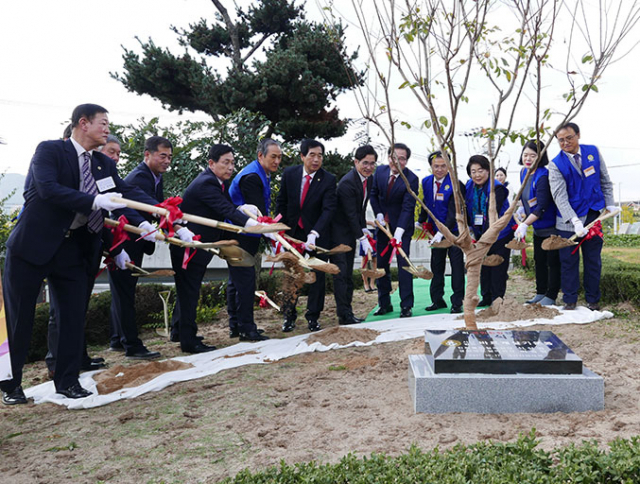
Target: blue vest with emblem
[
  {"x": 253, "y": 167},
  {"x": 437, "y": 205},
  {"x": 583, "y": 189},
  {"x": 548, "y": 219},
  {"x": 470, "y": 187}
]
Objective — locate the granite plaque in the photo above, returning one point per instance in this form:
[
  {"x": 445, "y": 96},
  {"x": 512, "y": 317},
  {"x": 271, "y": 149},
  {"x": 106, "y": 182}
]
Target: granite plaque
[{"x": 500, "y": 352}]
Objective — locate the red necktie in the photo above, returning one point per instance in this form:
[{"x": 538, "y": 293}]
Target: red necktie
[
  {"x": 305, "y": 189},
  {"x": 438, "y": 184},
  {"x": 222, "y": 185},
  {"x": 392, "y": 180}
]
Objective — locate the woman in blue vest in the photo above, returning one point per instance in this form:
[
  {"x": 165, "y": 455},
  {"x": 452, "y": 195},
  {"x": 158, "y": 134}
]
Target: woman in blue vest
[
  {"x": 541, "y": 212},
  {"x": 493, "y": 280}
]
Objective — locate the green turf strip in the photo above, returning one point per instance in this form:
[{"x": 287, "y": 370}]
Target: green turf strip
[{"x": 422, "y": 299}]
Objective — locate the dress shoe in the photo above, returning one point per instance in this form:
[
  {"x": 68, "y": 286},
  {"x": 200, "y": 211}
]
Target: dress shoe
[
  {"x": 253, "y": 336},
  {"x": 116, "y": 347},
  {"x": 91, "y": 366},
  {"x": 436, "y": 305},
  {"x": 16, "y": 397},
  {"x": 484, "y": 303},
  {"x": 313, "y": 325},
  {"x": 97, "y": 360},
  {"x": 406, "y": 313},
  {"x": 175, "y": 338},
  {"x": 234, "y": 333},
  {"x": 383, "y": 311},
  {"x": 356, "y": 318},
  {"x": 371, "y": 289},
  {"x": 199, "y": 348},
  {"x": 456, "y": 309},
  {"x": 536, "y": 298},
  {"x": 569, "y": 306},
  {"x": 75, "y": 391},
  {"x": 142, "y": 354},
  {"x": 594, "y": 306},
  {"x": 288, "y": 326},
  {"x": 350, "y": 319}
]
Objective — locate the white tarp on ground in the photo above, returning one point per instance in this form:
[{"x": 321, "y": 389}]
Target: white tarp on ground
[{"x": 277, "y": 349}]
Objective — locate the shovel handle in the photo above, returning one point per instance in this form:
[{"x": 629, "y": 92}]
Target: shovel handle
[
  {"x": 138, "y": 231},
  {"x": 601, "y": 217},
  {"x": 400, "y": 250},
  {"x": 282, "y": 241},
  {"x": 185, "y": 216}
]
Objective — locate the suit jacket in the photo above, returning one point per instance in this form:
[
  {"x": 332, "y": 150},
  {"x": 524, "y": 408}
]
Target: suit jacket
[
  {"x": 400, "y": 205},
  {"x": 204, "y": 197},
  {"x": 53, "y": 198},
  {"x": 319, "y": 204},
  {"x": 142, "y": 178},
  {"x": 350, "y": 215}
]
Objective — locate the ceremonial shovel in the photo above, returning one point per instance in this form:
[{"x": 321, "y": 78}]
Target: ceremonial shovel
[
  {"x": 515, "y": 244},
  {"x": 258, "y": 229},
  {"x": 369, "y": 271},
  {"x": 225, "y": 249},
  {"x": 140, "y": 272},
  {"x": 555, "y": 242},
  {"x": 338, "y": 249},
  {"x": 310, "y": 263},
  {"x": 422, "y": 272}
]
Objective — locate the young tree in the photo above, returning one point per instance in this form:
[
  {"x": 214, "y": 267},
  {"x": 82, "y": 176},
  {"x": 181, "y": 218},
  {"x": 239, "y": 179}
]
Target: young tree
[
  {"x": 439, "y": 49},
  {"x": 279, "y": 65}
]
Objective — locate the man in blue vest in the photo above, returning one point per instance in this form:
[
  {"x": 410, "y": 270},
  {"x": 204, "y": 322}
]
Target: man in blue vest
[
  {"x": 581, "y": 188},
  {"x": 438, "y": 197},
  {"x": 252, "y": 186}
]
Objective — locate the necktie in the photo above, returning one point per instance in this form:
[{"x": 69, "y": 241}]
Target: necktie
[
  {"x": 305, "y": 189},
  {"x": 95, "y": 220},
  {"x": 576, "y": 157},
  {"x": 364, "y": 190},
  {"x": 222, "y": 185},
  {"x": 438, "y": 184},
  {"x": 392, "y": 180}
]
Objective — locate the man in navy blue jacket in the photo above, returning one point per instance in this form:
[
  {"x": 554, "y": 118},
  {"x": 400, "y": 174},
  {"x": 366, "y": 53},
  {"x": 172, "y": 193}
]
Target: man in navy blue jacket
[
  {"x": 394, "y": 206},
  {"x": 58, "y": 237},
  {"x": 147, "y": 176},
  {"x": 438, "y": 196}
]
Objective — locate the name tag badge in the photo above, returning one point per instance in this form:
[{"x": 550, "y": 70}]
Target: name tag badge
[
  {"x": 533, "y": 202},
  {"x": 478, "y": 219},
  {"x": 105, "y": 184},
  {"x": 440, "y": 197},
  {"x": 589, "y": 171}
]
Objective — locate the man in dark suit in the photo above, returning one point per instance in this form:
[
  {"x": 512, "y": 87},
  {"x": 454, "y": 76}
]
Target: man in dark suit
[
  {"x": 307, "y": 202},
  {"x": 58, "y": 237},
  {"x": 394, "y": 206},
  {"x": 349, "y": 223},
  {"x": 206, "y": 196},
  {"x": 437, "y": 190},
  {"x": 250, "y": 188},
  {"x": 147, "y": 176}
]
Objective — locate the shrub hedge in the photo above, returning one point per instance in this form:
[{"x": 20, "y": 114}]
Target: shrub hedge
[{"x": 519, "y": 462}]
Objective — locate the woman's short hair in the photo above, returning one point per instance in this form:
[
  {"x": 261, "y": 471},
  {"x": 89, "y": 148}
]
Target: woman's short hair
[{"x": 478, "y": 160}]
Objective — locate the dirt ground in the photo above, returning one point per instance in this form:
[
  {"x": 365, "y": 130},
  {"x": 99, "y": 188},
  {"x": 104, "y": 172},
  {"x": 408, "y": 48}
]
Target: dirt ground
[{"x": 315, "y": 406}]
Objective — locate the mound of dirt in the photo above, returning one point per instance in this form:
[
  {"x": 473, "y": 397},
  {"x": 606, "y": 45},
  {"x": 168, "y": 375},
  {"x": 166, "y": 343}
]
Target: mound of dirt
[
  {"x": 511, "y": 310},
  {"x": 342, "y": 336},
  {"x": 120, "y": 376}
]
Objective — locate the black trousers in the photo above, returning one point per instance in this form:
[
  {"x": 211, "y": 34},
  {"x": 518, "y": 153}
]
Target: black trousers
[
  {"x": 66, "y": 275},
  {"x": 343, "y": 282},
  {"x": 438, "y": 266},
  {"x": 123, "y": 305},
  {"x": 547, "y": 268},
  {"x": 188, "y": 282},
  {"x": 241, "y": 289},
  {"x": 405, "y": 279},
  {"x": 493, "y": 280}
]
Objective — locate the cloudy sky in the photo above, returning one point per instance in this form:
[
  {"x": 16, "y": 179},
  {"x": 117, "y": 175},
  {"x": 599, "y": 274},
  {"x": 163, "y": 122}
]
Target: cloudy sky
[{"x": 56, "y": 55}]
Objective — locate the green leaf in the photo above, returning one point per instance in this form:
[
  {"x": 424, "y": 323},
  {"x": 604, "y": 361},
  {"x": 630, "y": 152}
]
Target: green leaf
[
  {"x": 587, "y": 58},
  {"x": 443, "y": 121}
]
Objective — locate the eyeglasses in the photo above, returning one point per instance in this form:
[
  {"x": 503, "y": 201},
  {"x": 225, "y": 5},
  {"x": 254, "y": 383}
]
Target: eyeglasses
[
  {"x": 401, "y": 159},
  {"x": 568, "y": 139},
  {"x": 369, "y": 164}
]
